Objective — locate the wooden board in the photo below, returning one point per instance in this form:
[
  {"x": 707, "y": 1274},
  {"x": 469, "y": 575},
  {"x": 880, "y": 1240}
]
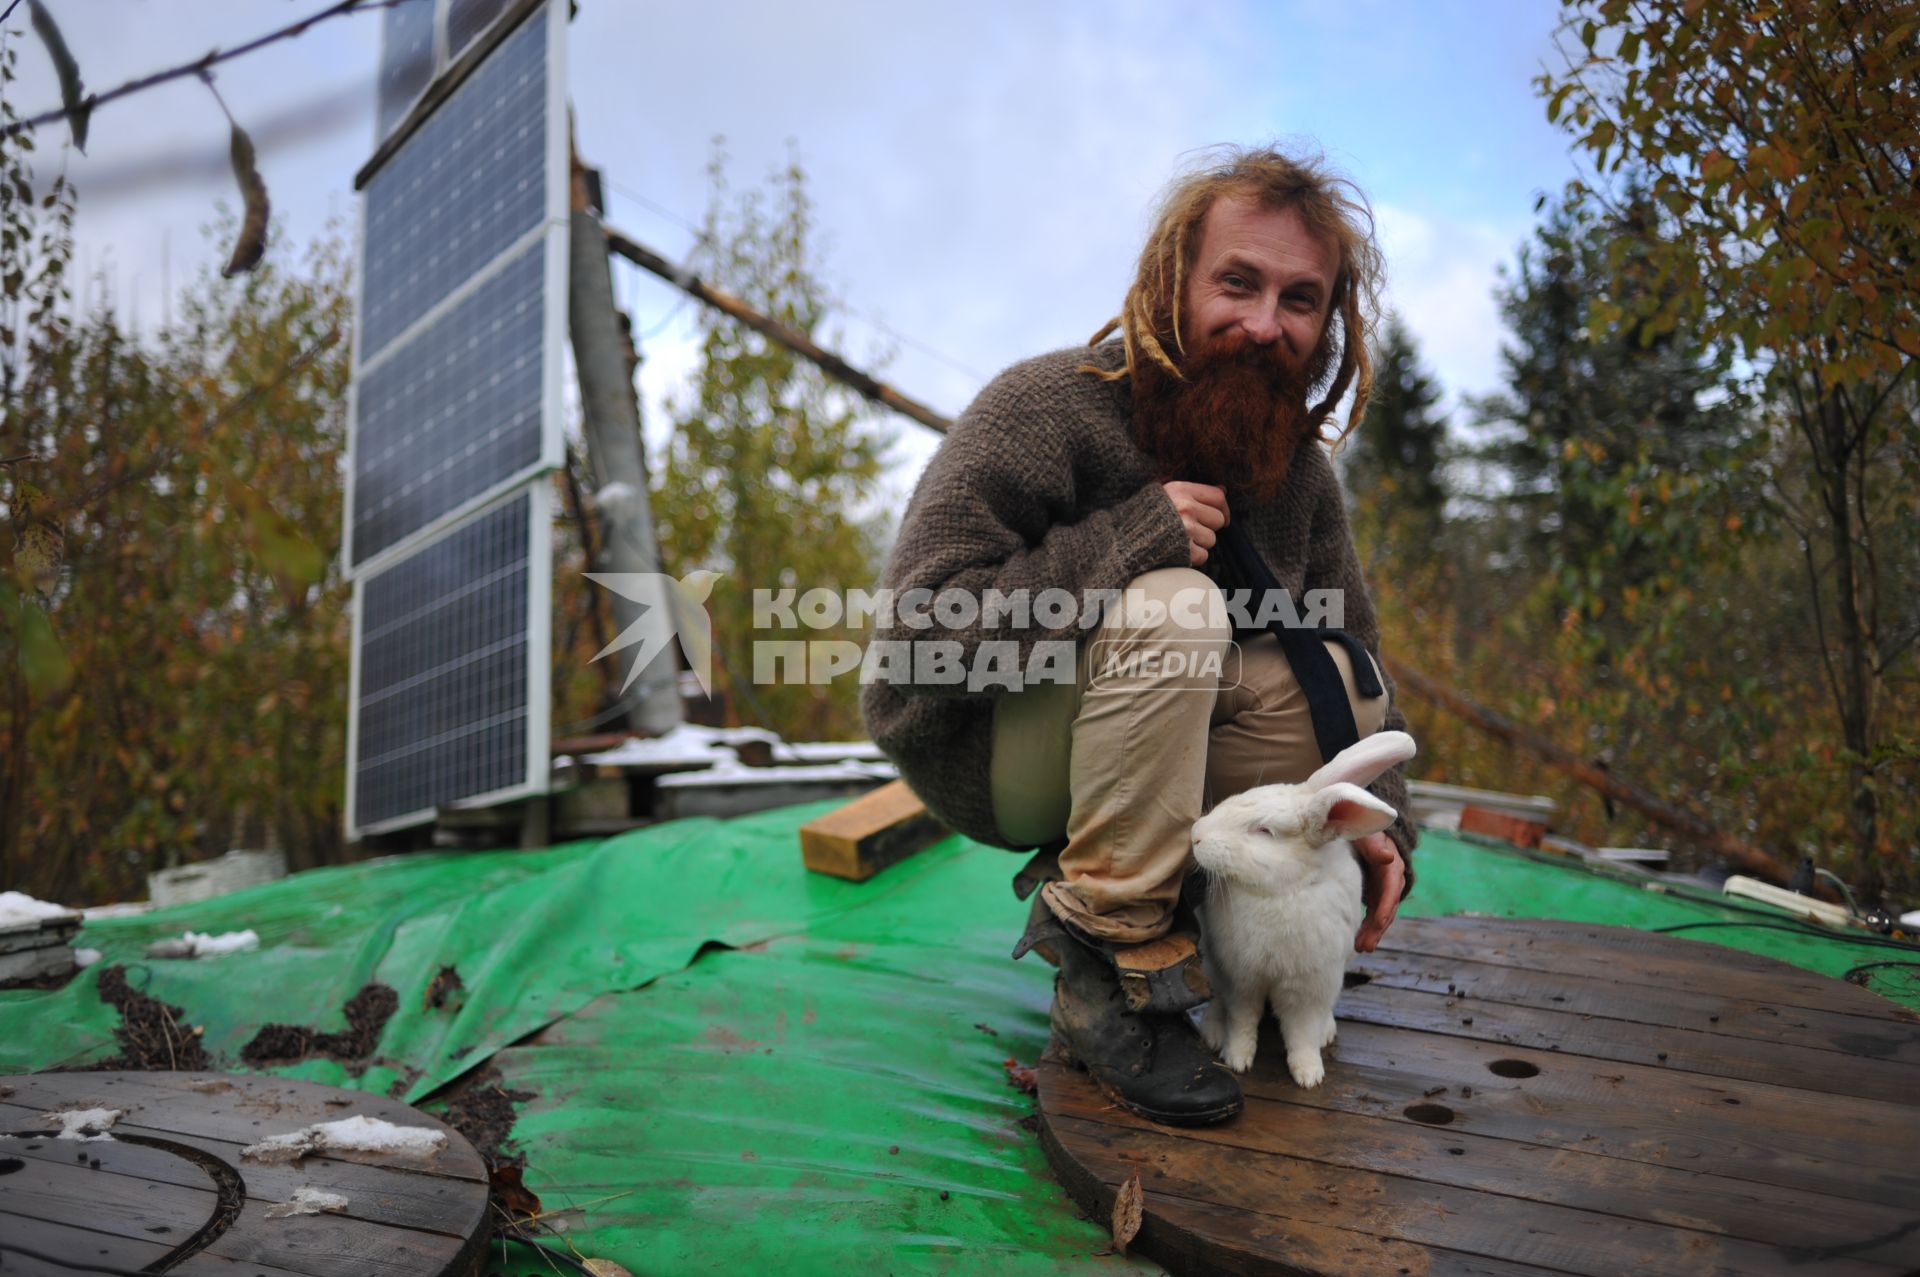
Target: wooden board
[
  {"x": 171, "y": 1187},
  {"x": 1617, "y": 1102},
  {"x": 877, "y": 829}
]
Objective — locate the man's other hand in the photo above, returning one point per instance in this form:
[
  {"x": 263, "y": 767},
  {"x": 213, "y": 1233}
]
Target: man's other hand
[
  {"x": 1203, "y": 512},
  {"x": 1385, "y": 877}
]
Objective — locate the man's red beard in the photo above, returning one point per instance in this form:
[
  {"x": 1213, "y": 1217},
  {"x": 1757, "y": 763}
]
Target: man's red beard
[{"x": 1236, "y": 419}]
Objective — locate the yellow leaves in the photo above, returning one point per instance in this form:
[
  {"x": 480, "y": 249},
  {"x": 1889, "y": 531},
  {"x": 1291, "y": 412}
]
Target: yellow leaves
[
  {"x": 43, "y": 659},
  {"x": 282, "y": 549},
  {"x": 1733, "y": 523}
]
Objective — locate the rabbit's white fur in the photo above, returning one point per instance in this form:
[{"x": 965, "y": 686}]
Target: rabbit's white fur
[{"x": 1284, "y": 903}]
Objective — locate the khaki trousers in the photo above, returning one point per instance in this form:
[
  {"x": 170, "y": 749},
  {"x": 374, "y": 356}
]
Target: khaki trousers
[{"x": 1168, "y": 715}]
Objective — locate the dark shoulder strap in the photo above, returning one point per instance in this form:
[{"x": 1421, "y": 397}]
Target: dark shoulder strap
[{"x": 1313, "y": 666}]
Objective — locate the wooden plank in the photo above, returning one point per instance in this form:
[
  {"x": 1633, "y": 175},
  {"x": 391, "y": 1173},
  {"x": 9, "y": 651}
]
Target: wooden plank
[
  {"x": 1675, "y": 1007},
  {"x": 327, "y": 1246},
  {"x": 1636, "y": 957},
  {"x": 39, "y": 935},
  {"x": 239, "y": 1109},
  {"x": 1749, "y": 1131},
  {"x": 406, "y": 1199},
  {"x": 1391, "y": 1206},
  {"x": 122, "y": 1205},
  {"x": 1498, "y": 824},
  {"x": 76, "y": 1243},
  {"x": 1194, "y": 1236},
  {"x": 1280, "y": 1118},
  {"x": 72, "y": 1243},
  {"x": 1696, "y": 1051},
  {"x": 31, "y": 964},
  {"x": 877, "y": 829},
  {"x": 406, "y": 1217}
]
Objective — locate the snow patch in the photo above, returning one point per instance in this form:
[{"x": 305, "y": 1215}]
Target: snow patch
[
  {"x": 18, "y": 909},
  {"x": 84, "y": 958},
  {"x": 686, "y": 745},
  {"x": 200, "y": 944},
  {"x": 84, "y": 1125},
  {"x": 308, "y": 1200},
  {"x": 349, "y": 1134}
]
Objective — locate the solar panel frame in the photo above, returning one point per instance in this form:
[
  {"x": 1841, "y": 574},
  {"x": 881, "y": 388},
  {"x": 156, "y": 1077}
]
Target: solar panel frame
[
  {"x": 553, "y": 229},
  {"x": 537, "y": 670},
  {"x": 390, "y": 109}
]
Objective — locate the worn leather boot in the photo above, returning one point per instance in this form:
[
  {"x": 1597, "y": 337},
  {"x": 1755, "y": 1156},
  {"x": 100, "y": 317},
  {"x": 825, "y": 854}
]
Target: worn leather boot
[{"x": 1133, "y": 1035}]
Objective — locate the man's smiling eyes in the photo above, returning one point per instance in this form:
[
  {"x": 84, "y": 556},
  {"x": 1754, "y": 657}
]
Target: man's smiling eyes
[{"x": 1299, "y": 298}]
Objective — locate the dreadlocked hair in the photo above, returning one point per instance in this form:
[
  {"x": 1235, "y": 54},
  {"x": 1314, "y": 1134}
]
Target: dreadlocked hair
[{"x": 1330, "y": 204}]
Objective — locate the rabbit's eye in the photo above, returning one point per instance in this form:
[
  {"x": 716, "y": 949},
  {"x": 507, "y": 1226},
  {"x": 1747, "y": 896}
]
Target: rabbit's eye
[{"x": 1263, "y": 830}]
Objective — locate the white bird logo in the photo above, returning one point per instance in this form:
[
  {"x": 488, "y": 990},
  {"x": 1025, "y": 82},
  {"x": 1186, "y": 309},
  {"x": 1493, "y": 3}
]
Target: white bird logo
[{"x": 685, "y": 616}]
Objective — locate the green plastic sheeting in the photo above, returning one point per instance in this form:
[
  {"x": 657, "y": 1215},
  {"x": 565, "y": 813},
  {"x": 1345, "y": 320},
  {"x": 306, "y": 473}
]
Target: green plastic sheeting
[
  {"x": 737, "y": 1066},
  {"x": 533, "y": 935}
]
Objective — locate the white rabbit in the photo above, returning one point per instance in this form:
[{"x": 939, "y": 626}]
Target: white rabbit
[{"x": 1284, "y": 902}]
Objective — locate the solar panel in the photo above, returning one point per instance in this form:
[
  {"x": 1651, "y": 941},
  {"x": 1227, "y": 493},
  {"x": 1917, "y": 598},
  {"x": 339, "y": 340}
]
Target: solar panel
[
  {"x": 466, "y": 19},
  {"x": 463, "y": 189},
  {"x": 454, "y": 422},
  {"x": 454, "y": 411},
  {"x": 449, "y": 673},
  {"x": 406, "y": 61}
]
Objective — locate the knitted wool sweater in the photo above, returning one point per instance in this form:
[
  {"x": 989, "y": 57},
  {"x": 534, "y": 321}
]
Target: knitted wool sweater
[{"x": 1039, "y": 485}]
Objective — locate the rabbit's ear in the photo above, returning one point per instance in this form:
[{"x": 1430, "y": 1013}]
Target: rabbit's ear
[
  {"x": 1363, "y": 760},
  {"x": 1343, "y": 811}
]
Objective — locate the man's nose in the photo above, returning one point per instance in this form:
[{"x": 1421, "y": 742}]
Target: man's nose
[{"x": 1262, "y": 326}]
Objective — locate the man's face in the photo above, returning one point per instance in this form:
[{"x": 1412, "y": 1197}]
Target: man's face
[{"x": 1259, "y": 277}]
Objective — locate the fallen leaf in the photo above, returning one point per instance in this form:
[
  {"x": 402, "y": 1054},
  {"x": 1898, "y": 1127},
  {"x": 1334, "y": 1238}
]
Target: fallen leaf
[
  {"x": 1020, "y": 1076},
  {"x": 507, "y": 1188},
  {"x": 442, "y": 987},
  {"x": 606, "y": 1268},
  {"x": 1128, "y": 1204}
]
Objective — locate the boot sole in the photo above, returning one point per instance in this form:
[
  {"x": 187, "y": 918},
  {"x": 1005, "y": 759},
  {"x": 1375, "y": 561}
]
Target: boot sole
[{"x": 1204, "y": 1117}]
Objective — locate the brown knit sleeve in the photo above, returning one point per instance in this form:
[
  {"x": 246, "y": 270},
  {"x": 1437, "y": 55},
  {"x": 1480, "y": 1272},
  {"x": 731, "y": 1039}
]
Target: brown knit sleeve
[
  {"x": 1333, "y": 564},
  {"x": 1001, "y": 507}
]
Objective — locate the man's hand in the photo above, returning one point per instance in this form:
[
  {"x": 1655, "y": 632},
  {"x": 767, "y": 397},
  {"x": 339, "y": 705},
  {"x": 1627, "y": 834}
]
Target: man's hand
[
  {"x": 1203, "y": 511},
  {"x": 1385, "y": 877}
]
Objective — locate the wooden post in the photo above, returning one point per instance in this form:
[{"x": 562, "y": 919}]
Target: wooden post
[{"x": 601, "y": 355}]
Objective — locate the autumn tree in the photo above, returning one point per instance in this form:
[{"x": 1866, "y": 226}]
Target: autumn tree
[
  {"x": 770, "y": 464},
  {"x": 1775, "y": 144},
  {"x": 1395, "y": 465},
  {"x": 175, "y": 649}
]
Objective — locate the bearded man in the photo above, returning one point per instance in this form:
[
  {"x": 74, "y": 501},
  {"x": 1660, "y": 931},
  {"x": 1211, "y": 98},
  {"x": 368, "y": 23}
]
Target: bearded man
[{"x": 1155, "y": 478}]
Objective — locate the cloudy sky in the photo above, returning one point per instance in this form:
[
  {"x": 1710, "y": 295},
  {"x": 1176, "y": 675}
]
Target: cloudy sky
[{"x": 983, "y": 172}]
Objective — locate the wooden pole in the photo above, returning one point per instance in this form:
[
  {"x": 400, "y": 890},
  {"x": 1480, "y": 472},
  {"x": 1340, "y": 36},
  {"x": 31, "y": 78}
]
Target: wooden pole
[
  {"x": 612, "y": 417},
  {"x": 798, "y": 342}
]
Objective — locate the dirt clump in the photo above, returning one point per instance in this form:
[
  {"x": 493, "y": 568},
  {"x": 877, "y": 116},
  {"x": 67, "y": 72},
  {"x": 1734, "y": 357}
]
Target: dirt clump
[
  {"x": 367, "y": 1014},
  {"x": 153, "y": 1036},
  {"x": 480, "y": 1107}
]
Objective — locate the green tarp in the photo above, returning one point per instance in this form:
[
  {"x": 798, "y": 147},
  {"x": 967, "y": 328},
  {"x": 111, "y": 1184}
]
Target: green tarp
[{"x": 736, "y": 1065}]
